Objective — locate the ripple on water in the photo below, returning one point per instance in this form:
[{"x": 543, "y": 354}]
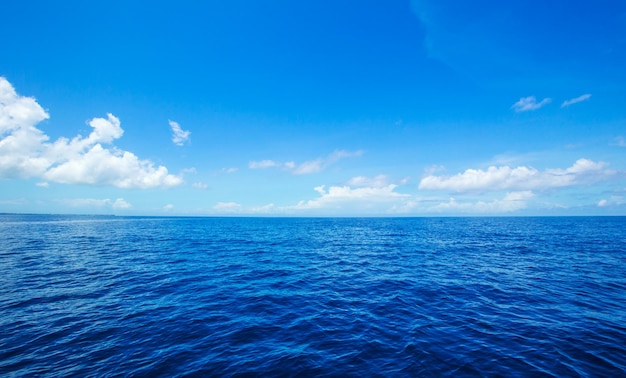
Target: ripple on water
[{"x": 340, "y": 297}]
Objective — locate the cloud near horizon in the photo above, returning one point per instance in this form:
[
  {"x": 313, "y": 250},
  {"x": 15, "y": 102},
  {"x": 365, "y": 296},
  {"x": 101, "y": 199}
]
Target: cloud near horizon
[
  {"x": 25, "y": 150},
  {"x": 381, "y": 200},
  {"x": 338, "y": 196},
  {"x": 117, "y": 204},
  {"x": 519, "y": 178},
  {"x": 512, "y": 201}
]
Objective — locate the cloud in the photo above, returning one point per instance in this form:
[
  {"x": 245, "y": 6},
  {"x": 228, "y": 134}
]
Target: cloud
[
  {"x": 613, "y": 201},
  {"x": 339, "y": 196},
  {"x": 117, "y": 204},
  {"x": 529, "y": 103},
  {"x": 25, "y": 151},
  {"x": 200, "y": 185},
  {"x": 307, "y": 167},
  {"x": 229, "y": 170},
  {"x": 520, "y": 178},
  {"x": 168, "y": 207},
  {"x": 620, "y": 141},
  {"x": 312, "y": 166},
  {"x": 43, "y": 184},
  {"x": 179, "y": 136},
  {"x": 512, "y": 201},
  {"x": 270, "y": 208},
  {"x": 228, "y": 207},
  {"x": 374, "y": 182},
  {"x": 578, "y": 99},
  {"x": 263, "y": 164}
]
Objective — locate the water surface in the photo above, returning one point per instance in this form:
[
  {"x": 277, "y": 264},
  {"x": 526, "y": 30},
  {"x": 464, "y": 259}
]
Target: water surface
[{"x": 142, "y": 296}]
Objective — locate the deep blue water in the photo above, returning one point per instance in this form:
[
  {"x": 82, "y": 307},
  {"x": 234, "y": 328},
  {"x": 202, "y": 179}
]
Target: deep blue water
[{"x": 111, "y": 296}]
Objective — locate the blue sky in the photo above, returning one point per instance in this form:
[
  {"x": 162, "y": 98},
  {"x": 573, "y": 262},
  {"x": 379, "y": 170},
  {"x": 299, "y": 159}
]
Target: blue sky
[{"x": 313, "y": 108}]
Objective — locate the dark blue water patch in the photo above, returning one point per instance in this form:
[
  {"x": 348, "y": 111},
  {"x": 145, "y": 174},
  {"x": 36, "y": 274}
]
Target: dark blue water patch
[{"x": 147, "y": 296}]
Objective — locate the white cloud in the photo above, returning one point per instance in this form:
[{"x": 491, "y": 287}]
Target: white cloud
[
  {"x": 119, "y": 203},
  {"x": 228, "y": 207},
  {"x": 229, "y": 170},
  {"x": 529, "y": 103},
  {"x": 179, "y": 136},
  {"x": 270, "y": 208},
  {"x": 168, "y": 207},
  {"x": 512, "y": 201},
  {"x": 263, "y": 164},
  {"x": 374, "y": 182},
  {"x": 200, "y": 185},
  {"x": 338, "y": 196},
  {"x": 615, "y": 200},
  {"x": 520, "y": 178},
  {"x": 307, "y": 167},
  {"x": 578, "y": 99},
  {"x": 43, "y": 184},
  {"x": 25, "y": 151}
]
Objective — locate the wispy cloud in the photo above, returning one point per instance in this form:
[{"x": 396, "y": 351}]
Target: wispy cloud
[
  {"x": 25, "y": 151},
  {"x": 200, "y": 185},
  {"x": 374, "y": 182},
  {"x": 179, "y": 136},
  {"x": 228, "y": 207},
  {"x": 512, "y": 201},
  {"x": 520, "y": 178},
  {"x": 263, "y": 164},
  {"x": 529, "y": 103},
  {"x": 619, "y": 141},
  {"x": 576, "y": 100},
  {"x": 307, "y": 167},
  {"x": 117, "y": 204}
]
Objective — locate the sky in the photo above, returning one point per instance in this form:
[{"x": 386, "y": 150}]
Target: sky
[{"x": 313, "y": 107}]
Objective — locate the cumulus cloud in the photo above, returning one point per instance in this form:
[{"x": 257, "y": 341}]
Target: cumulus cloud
[
  {"x": 529, "y": 103},
  {"x": 520, "y": 178},
  {"x": 512, "y": 201},
  {"x": 576, "y": 100},
  {"x": 179, "y": 136},
  {"x": 338, "y": 196},
  {"x": 117, "y": 204},
  {"x": 307, "y": 167},
  {"x": 25, "y": 151}
]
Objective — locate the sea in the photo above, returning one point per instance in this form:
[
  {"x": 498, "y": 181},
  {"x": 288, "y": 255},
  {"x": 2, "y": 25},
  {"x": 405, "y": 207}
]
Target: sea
[{"x": 114, "y": 296}]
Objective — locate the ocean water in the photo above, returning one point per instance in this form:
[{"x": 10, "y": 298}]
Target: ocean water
[{"x": 405, "y": 297}]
